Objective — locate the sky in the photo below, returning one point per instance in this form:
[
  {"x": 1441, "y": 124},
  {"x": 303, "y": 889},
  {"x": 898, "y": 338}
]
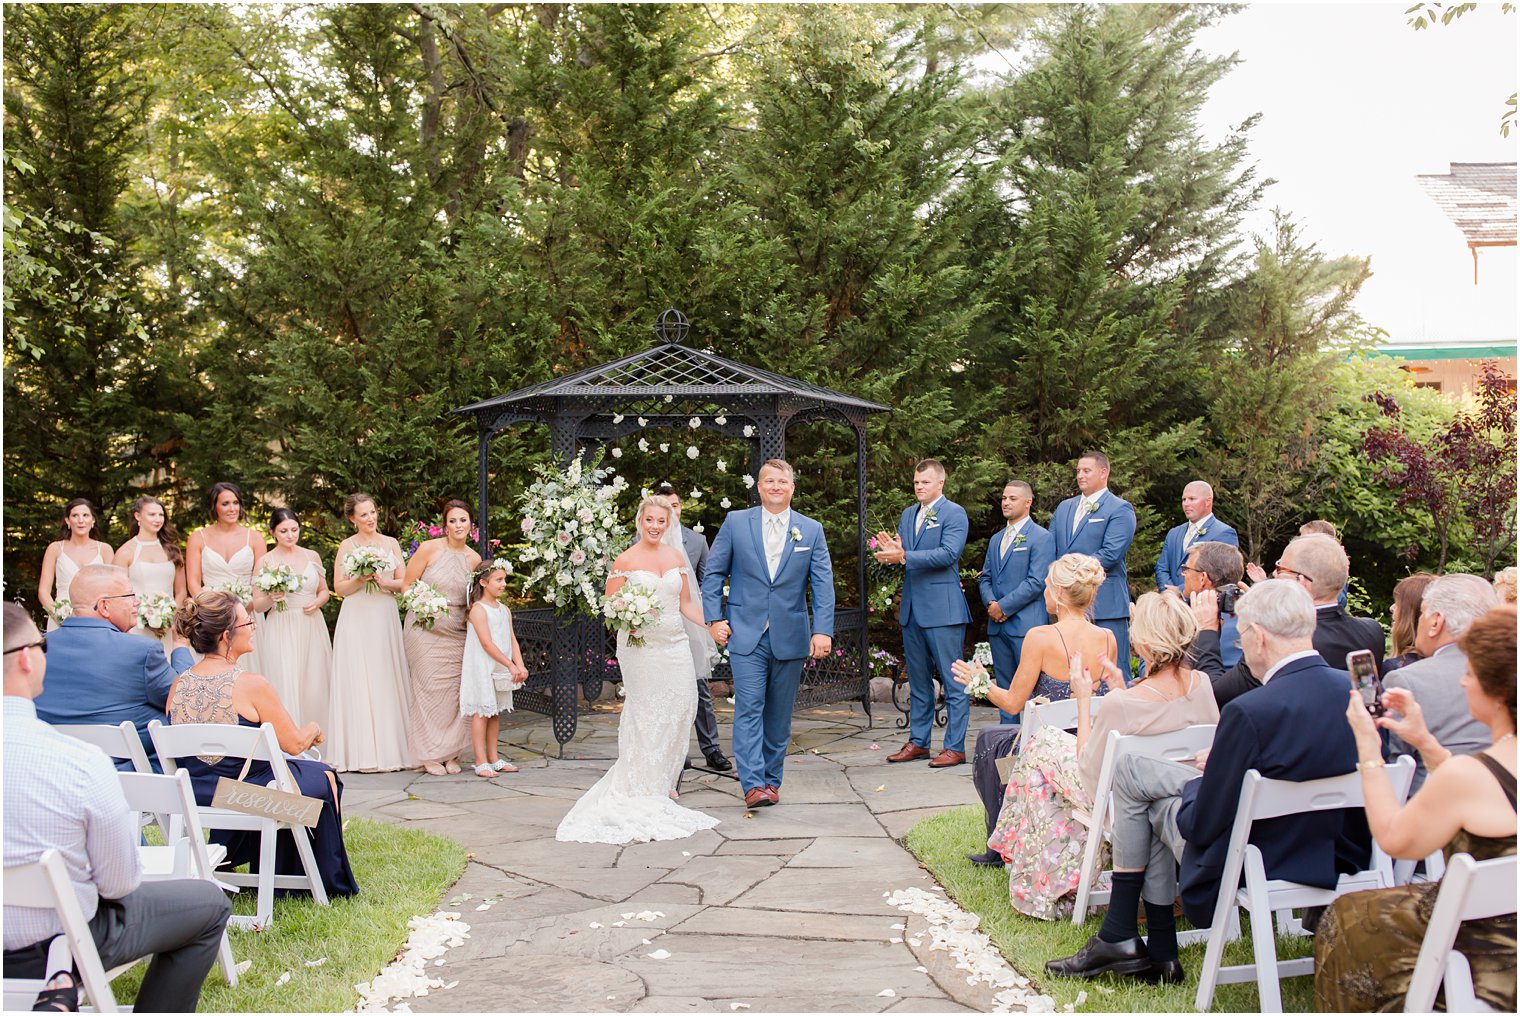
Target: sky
[{"x": 1354, "y": 104}]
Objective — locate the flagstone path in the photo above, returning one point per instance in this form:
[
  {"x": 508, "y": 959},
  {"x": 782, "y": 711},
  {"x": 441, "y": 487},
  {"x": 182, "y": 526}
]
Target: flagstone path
[{"x": 780, "y": 909}]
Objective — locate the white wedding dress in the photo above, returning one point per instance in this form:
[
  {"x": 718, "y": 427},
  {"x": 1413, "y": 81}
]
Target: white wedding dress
[{"x": 631, "y": 804}]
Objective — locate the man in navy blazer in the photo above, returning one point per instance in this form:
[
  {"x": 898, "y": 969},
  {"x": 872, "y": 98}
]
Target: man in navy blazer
[
  {"x": 1292, "y": 728},
  {"x": 1198, "y": 509},
  {"x": 770, "y": 557},
  {"x": 933, "y": 612},
  {"x": 1098, "y": 524},
  {"x": 98, "y": 671},
  {"x": 1012, "y": 583}
]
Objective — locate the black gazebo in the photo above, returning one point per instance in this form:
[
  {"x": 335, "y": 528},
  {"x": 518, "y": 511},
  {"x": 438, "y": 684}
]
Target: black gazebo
[{"x": 664, "y": 387}]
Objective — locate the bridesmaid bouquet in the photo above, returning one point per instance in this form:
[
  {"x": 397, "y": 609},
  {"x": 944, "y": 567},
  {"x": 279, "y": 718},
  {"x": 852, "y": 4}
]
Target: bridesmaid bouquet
[
  {"x": 982, "y": 653},
  {"x": 241, "y": 590},
  {"x": 279, "y": 579},
  {"x": 426, "y": 603},
  {"x": 366, "y": 563},
  {"x": 155, "y": 611},
  {"x": 631, "y": 610},
  {"x": 61, "y": 608}
]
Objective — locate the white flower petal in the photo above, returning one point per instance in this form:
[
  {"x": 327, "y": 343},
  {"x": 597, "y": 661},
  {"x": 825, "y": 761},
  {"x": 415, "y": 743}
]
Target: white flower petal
[
  {"x": 886, "y": 993},
  {"x": 660, "y": 954}
]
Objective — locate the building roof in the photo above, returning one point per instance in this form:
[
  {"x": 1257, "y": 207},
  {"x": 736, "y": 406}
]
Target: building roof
[{"x": 1479, "y": 198}]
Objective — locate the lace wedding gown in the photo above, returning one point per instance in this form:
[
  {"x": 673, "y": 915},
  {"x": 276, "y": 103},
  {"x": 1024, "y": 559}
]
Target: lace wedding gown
[{"x": 631, "y": 804}]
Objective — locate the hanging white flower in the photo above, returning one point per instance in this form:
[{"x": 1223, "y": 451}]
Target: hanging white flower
[
  {"x": 691, "y": 451},
  {"x": 670, "y": 398},
  {"x": 726, "y": 503},
  {"x": 720, "y": 420},
  {"x": 695, "y": 422},
  {"x": 643, "y": 422},
  {"x": 617, "y": 417},
  {"x": 617, "y": 453},
  {"x": 695, "y": 493},
  {"x": 749, "y": 431},
  {"x": 722, "y": 466},
  {"x": 664, "y": 447},
  {"x": 749, "y": 481},
  {"x": 697, "y": 528},
  {"x": 643, "y": 445}
]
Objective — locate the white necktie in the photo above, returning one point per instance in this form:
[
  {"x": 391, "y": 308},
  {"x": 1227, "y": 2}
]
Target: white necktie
[
  {"x": 918, "y": 526},
  {"x": 1007, "y": 540},
  {"x": 1081, "y": 514},
  {"x": 773, "y": 543},
  {"x": 1192, "y": 534}
]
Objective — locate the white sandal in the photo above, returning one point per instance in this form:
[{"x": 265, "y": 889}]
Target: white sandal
[
  {"x": 501, "y": 765},
  {"x": 485, "y": 771}
]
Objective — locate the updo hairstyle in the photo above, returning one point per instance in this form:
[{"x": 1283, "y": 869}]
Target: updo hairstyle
[
  {"x": 453, "y": 503},
  {"x": 353, "y": 501},
  {"x": 652, "y": 501},
  {"x": 206, "y": 617},
  {"x": 280, "y": 515},
  {"x": 1164, "y": 627},
  {"x": 1075, "y": 579}
]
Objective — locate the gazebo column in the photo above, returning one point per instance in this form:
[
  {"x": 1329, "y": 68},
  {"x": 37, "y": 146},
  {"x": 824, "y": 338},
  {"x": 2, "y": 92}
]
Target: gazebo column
[
  {"x": 483, "y": 512},
  {"x": 863, "y": 636},
  {"x": 572, "y": 638}
]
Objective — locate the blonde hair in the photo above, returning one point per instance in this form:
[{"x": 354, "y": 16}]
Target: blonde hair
[
  {"x": 1164, "y": 627},
  {"x": 1504, "y": 585},
  {"x": 652, "y": 501},
  {"x": 1076, "y": 578}
]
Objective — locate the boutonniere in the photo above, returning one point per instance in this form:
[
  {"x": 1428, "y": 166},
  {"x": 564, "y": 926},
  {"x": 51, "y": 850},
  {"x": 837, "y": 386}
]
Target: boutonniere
[
  {"x": 1201, "y": 533},
  {"x": 796, "y": 535},
  {"x": 931, "y": 519},
  {"x": 1088, "y": 507},
  {"x": 1018, "y": 540}
]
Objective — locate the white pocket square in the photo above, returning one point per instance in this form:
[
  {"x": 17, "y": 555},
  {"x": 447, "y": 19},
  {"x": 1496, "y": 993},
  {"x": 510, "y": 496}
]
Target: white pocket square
[
  {"x": 799, "y": 550},
  {"x": 1097, "y": 520},
  {"x": 1019, "y": 550}
]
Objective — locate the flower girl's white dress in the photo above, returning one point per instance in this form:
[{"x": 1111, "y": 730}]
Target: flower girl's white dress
[{"x": 478, "y": 694}]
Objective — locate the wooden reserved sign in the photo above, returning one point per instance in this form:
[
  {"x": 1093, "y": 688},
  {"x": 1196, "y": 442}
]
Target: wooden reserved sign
[{"x": 266, "y": 802}]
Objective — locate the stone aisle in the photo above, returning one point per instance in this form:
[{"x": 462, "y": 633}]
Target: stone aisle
[{"x": 781, "y": 909}]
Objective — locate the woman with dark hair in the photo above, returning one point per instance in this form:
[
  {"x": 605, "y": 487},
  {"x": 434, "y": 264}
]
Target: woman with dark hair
[
  {"x": 1366, "y": 947},
  {"x": 217, "y": 690},
  {"x": 156, "y": 564},
  {"x": 1405, "y": 613},
  {"x": 225, "y": 554},
  {"x": 371, "y": 688},
  {"x": 77, "y": 545},
  {"x": 436, "y": 655},
  {"x": 295, "y": 647}
]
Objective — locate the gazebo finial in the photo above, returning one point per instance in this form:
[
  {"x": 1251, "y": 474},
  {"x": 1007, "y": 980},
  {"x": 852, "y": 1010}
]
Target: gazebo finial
[{"x": 671, "y": 325}]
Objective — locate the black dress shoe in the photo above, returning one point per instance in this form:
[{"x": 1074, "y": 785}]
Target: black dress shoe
[
  {"x": 719, "y": 761},
  {"x": 986, "y": 859},
  {"x": 1100, "y": 957},
  {"x": 1165, "y": 972}
]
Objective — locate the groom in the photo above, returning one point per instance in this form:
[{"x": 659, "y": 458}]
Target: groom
[{"x": 769, "y": 556}]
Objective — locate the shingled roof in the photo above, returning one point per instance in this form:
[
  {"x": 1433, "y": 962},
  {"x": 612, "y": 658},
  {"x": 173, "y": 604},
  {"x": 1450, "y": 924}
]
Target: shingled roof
[{"x": 1479, "y": 198}]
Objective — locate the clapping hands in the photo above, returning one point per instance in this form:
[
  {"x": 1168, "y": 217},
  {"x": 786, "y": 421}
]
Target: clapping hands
[{"x": 889, "y": 549}]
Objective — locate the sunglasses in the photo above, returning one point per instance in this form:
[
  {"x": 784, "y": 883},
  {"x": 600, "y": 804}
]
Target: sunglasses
[{"x": 41, "y": 644}]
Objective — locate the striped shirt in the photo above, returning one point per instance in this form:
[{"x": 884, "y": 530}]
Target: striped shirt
[{"x": 63, "y": 794}]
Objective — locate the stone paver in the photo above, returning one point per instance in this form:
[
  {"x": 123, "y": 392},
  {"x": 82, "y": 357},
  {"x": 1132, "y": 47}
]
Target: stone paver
[{"x": 775, "y": 910}]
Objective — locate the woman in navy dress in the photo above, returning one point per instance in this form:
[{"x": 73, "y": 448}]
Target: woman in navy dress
[{"x": 215, "y": 690}]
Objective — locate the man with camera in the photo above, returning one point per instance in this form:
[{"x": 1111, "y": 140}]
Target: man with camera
[{"x": 1211, "y": 583}]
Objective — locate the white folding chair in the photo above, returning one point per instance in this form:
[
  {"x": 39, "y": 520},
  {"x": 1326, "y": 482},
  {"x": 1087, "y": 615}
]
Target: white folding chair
[
  {"x": 176, "y": 741},
  {"x": 1061, "y": 713},
  {"x": 1175, "y": 745},
  {"x": 1470, "y": 891},
  {"x": 186, "y": 856},
  {"x": 1261, "y": 897},
  {"x": 118, "y": 740},
  {"x": 45, "y": 885},
  {"x": 1435, "y": 867}
]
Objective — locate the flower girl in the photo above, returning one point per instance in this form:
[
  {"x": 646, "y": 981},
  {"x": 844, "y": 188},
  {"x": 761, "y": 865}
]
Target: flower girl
[{"x": 492, "y": 667}]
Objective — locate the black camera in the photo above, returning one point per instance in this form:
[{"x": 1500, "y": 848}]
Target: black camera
[{"x": 1227, "y": 597}]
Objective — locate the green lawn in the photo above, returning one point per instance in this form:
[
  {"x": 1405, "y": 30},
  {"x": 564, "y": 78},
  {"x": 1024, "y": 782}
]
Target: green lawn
[
  {"x": 401, "y": 872},
  {"x": 942, "y": 842}
]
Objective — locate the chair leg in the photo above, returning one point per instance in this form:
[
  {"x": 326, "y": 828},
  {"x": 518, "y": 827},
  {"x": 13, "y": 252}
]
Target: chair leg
[
  {"x": 1213, "y": 958},
  {"x": 225, "y": 960},
  {"x": 1264, "y": 946},
  {"x": 266, "y": 874},
  {"x": 309, "y": 862}
]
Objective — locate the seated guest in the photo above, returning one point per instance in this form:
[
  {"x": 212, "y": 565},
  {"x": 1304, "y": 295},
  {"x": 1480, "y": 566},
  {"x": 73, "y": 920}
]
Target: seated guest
[
  {"x": 1504, "y": 585},
  {"x": 1449, "y": 607},
  {"x": 215, "y": 690},
  {"x": 1071, "y": 584},
  {"x": 1319, "y": 565},
  {"x": 1288, "y": 729},
  {"x": 1212, "y": 566},
  {"x": 1056, "y": 775},
  {"x": 101, "y": 672},
  {"x": 62, "y": 794},
  {"x": 1366, "y": 946},
  {"x": 1405, "y": 614}
]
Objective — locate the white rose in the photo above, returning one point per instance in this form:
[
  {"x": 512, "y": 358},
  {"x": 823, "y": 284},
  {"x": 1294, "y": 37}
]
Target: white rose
[
  {"x": 749, "y": 431},
  {"x": 564, "y": 578},
  {"x": 664, "y": 447},
  {"x": 643, "y": 422},
  {"x": 691, "y": 451},
  {"x": 726, "y": 503},
  {"x": 720, "y": 420},
  {"x": 643, "y": 445},
  {"x": 749, "y": 481},
  {"x": 617, "y": 453},
  {"x": 722, "y": 466},
  {"x": 695, "y": 422}
]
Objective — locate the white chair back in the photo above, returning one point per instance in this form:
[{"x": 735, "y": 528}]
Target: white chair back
[
  {"x": 1061, "y": 713},
  {"x": 1175, "y": 745},
  {"x": 45, "y": 885},
  {"x": 1470, "y": 891},
  {"x": 118, "y": 741}
]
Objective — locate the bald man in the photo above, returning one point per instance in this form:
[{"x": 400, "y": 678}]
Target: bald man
[
  {"x": 1198, "y": 508},
  {"x": 98, "y": 671}
]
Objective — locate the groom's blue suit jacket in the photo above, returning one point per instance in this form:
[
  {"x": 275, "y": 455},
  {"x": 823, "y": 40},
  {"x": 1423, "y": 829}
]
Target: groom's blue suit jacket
[{"x": 754, "y": 601}]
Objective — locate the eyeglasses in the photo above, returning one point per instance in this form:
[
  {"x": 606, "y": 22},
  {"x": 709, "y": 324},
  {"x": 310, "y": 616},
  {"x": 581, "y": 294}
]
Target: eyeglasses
[
  {"x": 40, "y": 644},
  {"x": 120, "y": 596},
  {"x": 252, "y": 622},
  {"x": 1241, "y": 631},
  {"x": 1278, "y": 572},
  {"x": 1188, "y": 567}
]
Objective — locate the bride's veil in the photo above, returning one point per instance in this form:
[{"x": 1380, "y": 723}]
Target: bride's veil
[{"x": 703, "y": 649}]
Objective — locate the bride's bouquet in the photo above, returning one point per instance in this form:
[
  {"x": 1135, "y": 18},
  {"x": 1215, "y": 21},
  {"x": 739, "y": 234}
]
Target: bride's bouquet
[
  {"x": 279, "y": 578},
  {"x": 241, "y": 590},
  {"x": 367, "y": 562},
  {"x": 155, "y": 611},
  {"x": 632, "y": 610},
  {"x": 426, "y": 604}
]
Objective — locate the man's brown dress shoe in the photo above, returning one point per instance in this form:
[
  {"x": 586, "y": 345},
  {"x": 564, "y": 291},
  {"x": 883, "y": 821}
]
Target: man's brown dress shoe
[
  {"x": 910, "y": 753},
  {"x": 758, "y": 798},
  {"x": 948, "y": 758},
  {"x": 775, "y": 793}
]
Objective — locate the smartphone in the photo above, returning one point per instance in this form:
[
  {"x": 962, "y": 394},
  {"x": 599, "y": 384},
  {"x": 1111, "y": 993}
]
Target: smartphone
[{"x": 1362, "y": 666}]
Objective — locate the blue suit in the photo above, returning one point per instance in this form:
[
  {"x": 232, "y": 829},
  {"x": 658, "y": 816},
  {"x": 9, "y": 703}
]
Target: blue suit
[
  {"x": 1175, "y": 549},
  {"x": 934, "y": 616},
  {"x": 99, "y": 674},
  {"x": 1106, "y": 535},
  {"x": 1291, "y": 728},
  {"x": 772, "y": 630},
  {"x": 1016, "y": 581}
]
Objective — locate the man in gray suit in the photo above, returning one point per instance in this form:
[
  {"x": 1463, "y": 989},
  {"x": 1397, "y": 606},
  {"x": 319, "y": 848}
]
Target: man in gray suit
[
  {"x": 695, "y": 545},
  {"x": 1449, "y": 607}
]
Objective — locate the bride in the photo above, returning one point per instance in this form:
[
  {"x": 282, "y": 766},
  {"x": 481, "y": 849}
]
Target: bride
[{"x": 633, "y": 802}]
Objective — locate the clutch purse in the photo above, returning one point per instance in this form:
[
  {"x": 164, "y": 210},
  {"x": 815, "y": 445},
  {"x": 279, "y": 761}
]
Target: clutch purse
[{"x": 503, "y": 682}]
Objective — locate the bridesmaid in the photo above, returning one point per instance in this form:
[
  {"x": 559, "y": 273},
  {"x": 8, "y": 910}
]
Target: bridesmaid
[
  {"x": 154, "y": 561},
  {"x": 227, "y": 553},
  {"x": 371, "y": 694},
  {"x": 294, "y": 645},
  {"x": 77, "y": 545},
  {"x": 436, "y": 657}
]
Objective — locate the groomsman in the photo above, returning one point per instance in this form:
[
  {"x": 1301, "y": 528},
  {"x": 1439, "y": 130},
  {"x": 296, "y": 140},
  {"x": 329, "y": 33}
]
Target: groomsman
[
  {"x": 1201, "y": 525},
  {"x": 1012, "y": 583},
  {"x": 933, "y": 615},
  {"x": 1097, "y": 523}
]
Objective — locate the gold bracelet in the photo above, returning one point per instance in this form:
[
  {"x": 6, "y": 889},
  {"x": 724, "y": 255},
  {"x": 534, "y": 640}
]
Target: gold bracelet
[{"x": 1371, "y": 763}]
